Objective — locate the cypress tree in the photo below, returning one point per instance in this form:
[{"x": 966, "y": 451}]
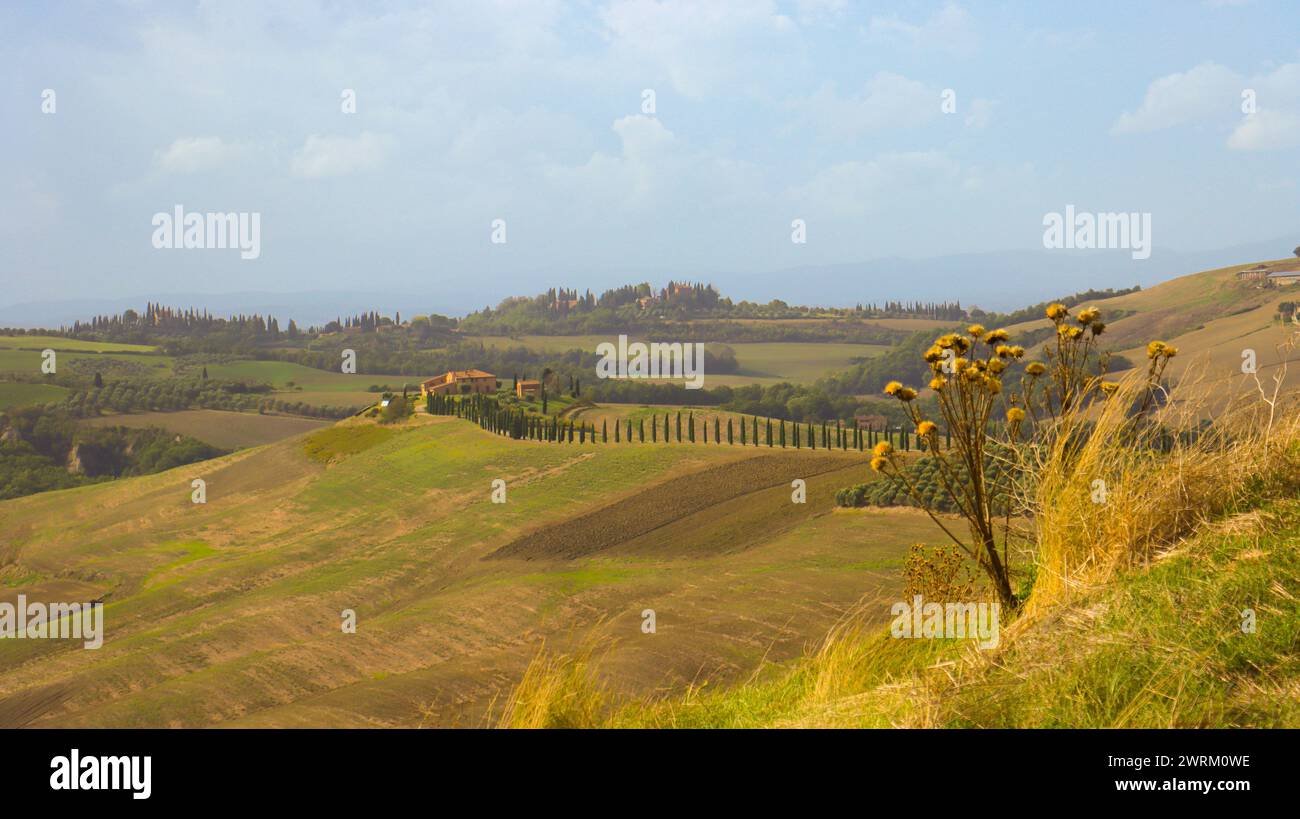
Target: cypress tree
[
  {"x": 654, "y": 429},
  {"x": 717, "y": 430},
  {"x": 755, "y": 430},
  {"x": 604, "y": 432},
  {"x": 690, "y": 424},
  {"x": 640, "y": 426},
  {"x": 679, "y": 426},
  {"x": 616, "y": 427},
  {"x": 782, "y": 423},
  {"x": 812, "y": 438},
  {"x": 742, "y": 431},
  {"x": 629, "y": 431},
  {"x": 769, "y": 432},
  {"x": 729, "y": 439},
  {"x": 795, "y": 425}
]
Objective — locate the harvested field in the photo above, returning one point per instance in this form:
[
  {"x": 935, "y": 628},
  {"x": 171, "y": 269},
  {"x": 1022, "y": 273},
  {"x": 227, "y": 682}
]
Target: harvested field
[
  {"x": 672, "y": 501},
  {"x": 226, "y": 430}
]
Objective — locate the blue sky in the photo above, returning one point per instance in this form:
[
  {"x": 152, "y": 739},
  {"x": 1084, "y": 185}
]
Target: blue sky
[{"x": 532, "y": 112}]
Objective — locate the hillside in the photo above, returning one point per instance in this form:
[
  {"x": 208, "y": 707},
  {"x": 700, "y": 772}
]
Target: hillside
[
  {"x": 1210, "y": 316},
  {"x": 229, "y": 613}
]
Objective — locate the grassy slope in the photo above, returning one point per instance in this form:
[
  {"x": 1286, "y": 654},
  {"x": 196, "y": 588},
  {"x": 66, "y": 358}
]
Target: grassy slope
[
  {"x": 1161, "y": 647},
  {"x": 1209, "y": 315},
  {"x": 229, "y": 613}
]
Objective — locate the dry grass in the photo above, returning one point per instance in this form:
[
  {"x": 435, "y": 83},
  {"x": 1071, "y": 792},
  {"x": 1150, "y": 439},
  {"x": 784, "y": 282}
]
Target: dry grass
[
  {"x": 1148, "y": 499},
  {"x": 557, "y": 690}
]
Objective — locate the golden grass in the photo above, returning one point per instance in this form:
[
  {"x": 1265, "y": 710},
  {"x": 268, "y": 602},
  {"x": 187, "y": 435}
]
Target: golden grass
[{"x": 1117, "y": 500}]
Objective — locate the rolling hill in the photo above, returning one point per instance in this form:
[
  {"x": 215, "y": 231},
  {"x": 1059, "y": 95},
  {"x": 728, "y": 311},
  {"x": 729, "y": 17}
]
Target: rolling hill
[{"x": 230, "y": 613}]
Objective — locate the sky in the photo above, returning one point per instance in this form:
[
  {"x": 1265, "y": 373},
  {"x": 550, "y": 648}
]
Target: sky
[{"x": 910, "y": 129}]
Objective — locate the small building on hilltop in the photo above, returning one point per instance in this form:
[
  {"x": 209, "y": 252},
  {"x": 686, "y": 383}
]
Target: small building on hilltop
[
  {"x": 1254, "y": 274},
  {"x": 459, "y": 382},
  {"x": 528, "y": 389},
  {"x": 1283, "y": 278}
]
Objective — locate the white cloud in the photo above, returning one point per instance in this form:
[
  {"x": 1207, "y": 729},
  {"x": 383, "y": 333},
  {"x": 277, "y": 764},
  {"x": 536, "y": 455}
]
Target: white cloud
[
  {"x": 322, "y": 156},
  {"x": 1266, "y": 130},
  {"x": 948, "y": 29},
  {"x": 979, "y": 114},
  {"x": 888, "y": 101},
  {"x": 195, "y": 154},
  {"x": 654, "y": 172},
  {"x": 1205, "y": 91},
  {"x": 854, "y": 190},
  {"x": 814, "y": 12},
  {"x": 698, "y": 46}
]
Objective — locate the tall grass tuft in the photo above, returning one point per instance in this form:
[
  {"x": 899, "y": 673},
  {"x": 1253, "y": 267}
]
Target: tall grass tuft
[
  {"x": 1116, "y": 489},
  {"x": 556, "y": 691}
]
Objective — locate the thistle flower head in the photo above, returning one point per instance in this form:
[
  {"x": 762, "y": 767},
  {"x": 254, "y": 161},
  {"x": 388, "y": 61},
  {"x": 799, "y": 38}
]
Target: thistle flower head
[
  {"x": 938, "y": 383},
  {"x": 997, "y": 336},
  {"x": 1088, "y": 316},
  {"x": 976, "y": 331},
  {"x": 1035, "y": 368},
  {"x": 882, "y": 449},
  {"x": 893, "y": 387},
  {"x": 878, "y": 463},
  {"x": 1057, "y": 311},
  {"x": 925, "y": 428},
  {"x": 1015, "y": 415}
]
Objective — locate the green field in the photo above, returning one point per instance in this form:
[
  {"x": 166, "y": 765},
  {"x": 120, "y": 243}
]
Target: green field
[
  {"x": 294, "y": 382},
  {"x": 29, "y": 361},
  {"x": 203, "y": 600},
  {"x": 21, "y": 393},
  {"x": 73, "y": 344},
  {"x": 760, "y": 362}
]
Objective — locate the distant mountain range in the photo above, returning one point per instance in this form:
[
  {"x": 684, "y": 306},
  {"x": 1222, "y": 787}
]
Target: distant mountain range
[{"x": 1001, "y": 280}]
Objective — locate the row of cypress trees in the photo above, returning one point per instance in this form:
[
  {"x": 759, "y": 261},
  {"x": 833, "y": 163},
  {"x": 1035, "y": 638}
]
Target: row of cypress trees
[{"x": 490, "y": 414}]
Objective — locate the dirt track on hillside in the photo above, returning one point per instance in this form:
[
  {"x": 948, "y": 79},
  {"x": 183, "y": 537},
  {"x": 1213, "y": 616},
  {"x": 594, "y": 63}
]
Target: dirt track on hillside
[{"x": 668, "y": 502}]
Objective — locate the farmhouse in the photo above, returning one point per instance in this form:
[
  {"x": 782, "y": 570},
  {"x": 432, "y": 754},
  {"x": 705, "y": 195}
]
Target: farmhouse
[
  {"x": 1284, "y": 277},
  {"x": 1254, "y": 274},
  {"x": 527, "y": 389},
  {"x": 459, "y": 382}
]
